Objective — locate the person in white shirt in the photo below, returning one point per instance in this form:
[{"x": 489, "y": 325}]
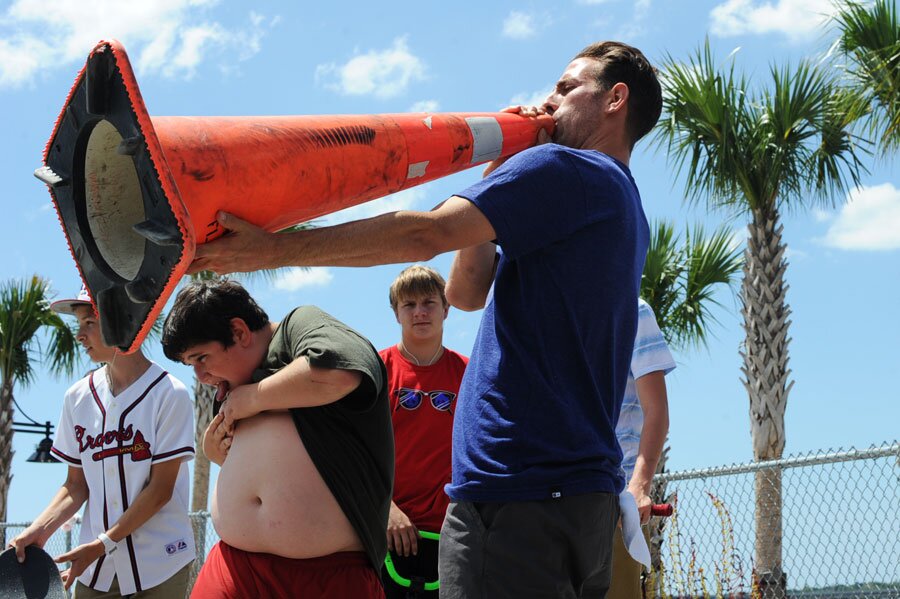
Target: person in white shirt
[
  {"x": 126, "y": 433},
  {"x": 641, "y": 431}
]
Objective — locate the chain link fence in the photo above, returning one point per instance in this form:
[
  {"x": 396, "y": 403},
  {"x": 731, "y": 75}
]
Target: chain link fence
[
  {"x": 66, "y": 539},
  {"x": 840, "y": 529},
  {"x": 838, "y": 536}
]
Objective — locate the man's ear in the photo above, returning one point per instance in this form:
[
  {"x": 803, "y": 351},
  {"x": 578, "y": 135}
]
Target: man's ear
[
  {"x": 240, "y": 332},
  {"x": 617, "y": 97}
]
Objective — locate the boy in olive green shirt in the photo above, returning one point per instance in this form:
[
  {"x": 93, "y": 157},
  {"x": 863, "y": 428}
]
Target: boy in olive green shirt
[{"x": 304, "y": 441}]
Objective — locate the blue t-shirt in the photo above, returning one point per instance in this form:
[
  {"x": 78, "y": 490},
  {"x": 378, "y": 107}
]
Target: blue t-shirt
[{"x": 538, "y": 405}]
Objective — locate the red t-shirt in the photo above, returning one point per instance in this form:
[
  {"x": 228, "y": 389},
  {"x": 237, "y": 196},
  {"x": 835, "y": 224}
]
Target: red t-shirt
[{"x": 422, "y": 434}]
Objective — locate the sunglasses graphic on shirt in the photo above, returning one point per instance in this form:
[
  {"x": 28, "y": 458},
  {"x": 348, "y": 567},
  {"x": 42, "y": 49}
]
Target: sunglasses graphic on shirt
[{"x": 411, "y": 399}]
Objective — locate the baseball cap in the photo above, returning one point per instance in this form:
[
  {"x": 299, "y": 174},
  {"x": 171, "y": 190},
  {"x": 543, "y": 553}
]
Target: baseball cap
[{"x": 66, "y": 306}]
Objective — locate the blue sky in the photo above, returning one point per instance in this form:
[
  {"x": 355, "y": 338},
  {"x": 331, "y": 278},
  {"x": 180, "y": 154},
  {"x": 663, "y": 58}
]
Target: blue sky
[{"x": 203, "y": 57}]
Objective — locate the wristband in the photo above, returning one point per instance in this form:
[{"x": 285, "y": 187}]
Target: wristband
[{"x": 108, "y": 544}]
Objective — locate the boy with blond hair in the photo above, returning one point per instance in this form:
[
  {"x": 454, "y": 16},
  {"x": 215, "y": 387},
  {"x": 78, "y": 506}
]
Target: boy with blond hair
[{"x": 423, "y": 381}]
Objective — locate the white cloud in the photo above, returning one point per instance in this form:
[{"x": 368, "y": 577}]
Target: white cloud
[
  {"x": 593, "y": 2},
  {"x": 519, "y": 26},
  {"x": 796, "y": 19},
  {"x": 425, "y": 106},
  {"x": 381, "y": 73},
  {"x": 631, "y": 30},
  {"x": 821, "y": 216},
  {"x": 298, "y": 278},
  {"x": 530, "y": 98},
  {"x": 20, "y": 58},
  {"x": 794, "y": 254},
  {"x": 407, "y": 199},
  {"x": 870, "y": 220},
  {"x": 170, "y": 37}
]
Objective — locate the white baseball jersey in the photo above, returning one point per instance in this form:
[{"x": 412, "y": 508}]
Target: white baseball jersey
[{"x": 116, "y": 440}]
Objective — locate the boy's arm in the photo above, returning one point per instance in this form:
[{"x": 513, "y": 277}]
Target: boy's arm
[
  {"x": 150, "y": 500},
  {"x": 297, "y": 385},
  {"x": 67, "y": 501},
  {"x": 651, "y": 391}
]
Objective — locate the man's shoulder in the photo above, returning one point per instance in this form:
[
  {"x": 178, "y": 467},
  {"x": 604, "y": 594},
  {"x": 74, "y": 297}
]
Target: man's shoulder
[
  {"x": 549, "y": 155},
  {"x": 554, "y": 159}
]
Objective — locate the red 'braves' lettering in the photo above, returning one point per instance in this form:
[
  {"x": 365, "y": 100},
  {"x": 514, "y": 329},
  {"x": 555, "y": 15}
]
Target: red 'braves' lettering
[
  {"x": 86, "y": 442},
  {"x": 139, "y": 450}
]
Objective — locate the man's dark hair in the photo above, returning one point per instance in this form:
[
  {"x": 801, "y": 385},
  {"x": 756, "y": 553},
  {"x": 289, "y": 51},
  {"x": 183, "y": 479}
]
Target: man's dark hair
[
  {"x": 202, "y": 313},
  {"x": 623, "y": 63}
]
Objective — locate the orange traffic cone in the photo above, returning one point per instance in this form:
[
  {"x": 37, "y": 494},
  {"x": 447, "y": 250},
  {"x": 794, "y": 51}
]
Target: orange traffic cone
[{"x": 136, "y": 194}]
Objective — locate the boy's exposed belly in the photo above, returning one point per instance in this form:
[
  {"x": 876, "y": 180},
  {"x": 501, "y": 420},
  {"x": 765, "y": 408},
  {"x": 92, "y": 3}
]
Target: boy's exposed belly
[{"x": 270, "y": 498}]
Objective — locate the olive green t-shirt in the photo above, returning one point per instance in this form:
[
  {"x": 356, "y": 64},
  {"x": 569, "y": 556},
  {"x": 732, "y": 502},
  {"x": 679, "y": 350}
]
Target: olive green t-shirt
[{"x": 350, "y": 441}]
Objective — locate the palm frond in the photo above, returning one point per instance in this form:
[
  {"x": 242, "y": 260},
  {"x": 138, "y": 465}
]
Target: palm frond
[
  {"x": 870, "y": 39},
  {"x": 702, "y": 126},
  {"x": 681, "y": 276},
  {"x": 662, "y": 270},
  {"x": 712, "y": 260},
  {"x": 24, "y": 311},
  {"x": 790, "y": 144},
  {"x": 62, "y": 354}
]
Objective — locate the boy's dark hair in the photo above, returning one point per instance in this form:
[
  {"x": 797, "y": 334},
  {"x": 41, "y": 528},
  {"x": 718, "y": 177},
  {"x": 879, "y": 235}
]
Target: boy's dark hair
[
  {"x": 623, "y": 63},
  {"x": 202, "y": 313}
]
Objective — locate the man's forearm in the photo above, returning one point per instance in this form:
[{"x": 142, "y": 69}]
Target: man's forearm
[
  {"x": 403, "y": 236},
  {"x": 471, "y": 276},
  {"x": 651, "y": 390},
  {"x": 390, "y": 238}
]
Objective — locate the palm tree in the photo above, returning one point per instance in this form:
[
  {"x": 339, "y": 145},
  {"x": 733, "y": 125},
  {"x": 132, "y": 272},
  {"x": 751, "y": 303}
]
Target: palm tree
[
  {"x": 870, "y": 40},
  {"x": 757, "y": 153},
  {"x": 680, "y": 279},
  {"x": 24, "y": 312}
]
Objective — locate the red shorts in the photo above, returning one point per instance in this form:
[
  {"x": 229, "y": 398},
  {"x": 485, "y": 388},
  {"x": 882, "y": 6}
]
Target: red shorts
[{"x": 230, "y": 573}]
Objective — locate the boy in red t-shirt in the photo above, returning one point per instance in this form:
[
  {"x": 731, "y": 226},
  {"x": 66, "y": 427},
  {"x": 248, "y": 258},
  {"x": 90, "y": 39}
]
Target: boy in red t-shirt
[{"x": 423, "y": 381}]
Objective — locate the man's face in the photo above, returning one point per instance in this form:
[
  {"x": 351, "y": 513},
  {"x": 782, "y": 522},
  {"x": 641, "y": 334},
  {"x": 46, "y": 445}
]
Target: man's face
[
  {"x": 213, "y": 363},
  {"x": 576, "y": 104},
  {"x": 422, "y": 318},
  {"x": 89, "y": 336}
]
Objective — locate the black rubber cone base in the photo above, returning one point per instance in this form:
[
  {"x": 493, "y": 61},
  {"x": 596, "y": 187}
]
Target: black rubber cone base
[{"x": 37, "y": 578}]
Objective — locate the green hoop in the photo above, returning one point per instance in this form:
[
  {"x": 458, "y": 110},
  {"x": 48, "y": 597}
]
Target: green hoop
[{"x": 406, "y": 582}]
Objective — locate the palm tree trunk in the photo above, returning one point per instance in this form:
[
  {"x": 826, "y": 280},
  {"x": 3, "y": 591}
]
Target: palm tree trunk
[
  {"x": 203, "y": 401},
  {"x": 6, "y": 451},
  {"x": 204, "y": 395},
  {"x": 766, "y": 374}
]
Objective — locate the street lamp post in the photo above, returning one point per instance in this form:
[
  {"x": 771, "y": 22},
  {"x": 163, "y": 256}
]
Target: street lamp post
[{"x": 42, "y": 453}]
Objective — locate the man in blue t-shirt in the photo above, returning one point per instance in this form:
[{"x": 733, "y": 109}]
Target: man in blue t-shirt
[{"x": 552, "y": 244}]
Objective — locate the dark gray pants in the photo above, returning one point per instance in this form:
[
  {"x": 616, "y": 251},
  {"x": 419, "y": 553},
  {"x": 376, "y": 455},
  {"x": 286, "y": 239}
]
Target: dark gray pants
[{"x": 559, "y": 548}]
